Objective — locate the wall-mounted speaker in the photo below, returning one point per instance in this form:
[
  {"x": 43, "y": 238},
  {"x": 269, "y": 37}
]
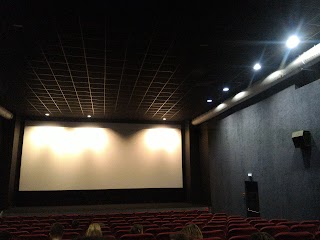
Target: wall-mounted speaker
[{"x": 301, "y": 139}]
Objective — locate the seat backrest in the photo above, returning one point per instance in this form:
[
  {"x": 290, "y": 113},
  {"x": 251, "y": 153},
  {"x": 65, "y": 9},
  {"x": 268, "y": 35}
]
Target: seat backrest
[
  {"x": 29, "y": 229},
  {"x": 242, "y": 231},
  {"x": 147, "y": 226},
  {"x": 164, "y": 235},
  {"x": 316, "y": 222},
  {"x": 109, "y": 237},
  {"x": 18, "y": 233},
  {"x": 255, "y": 221},
  {"x": 288, "y": 223},
  {"x": 70, "y": 235},
  {"x": 8, "y": 229},
  {"x": 278, "y": 220},
  {"x": 220, "y": 214},
  {"x": 317, "y": 235},
  {"x": 217, "y": 222},
  {"x": 157, "y": 230},
  {"x": 239, "y": 225},
  {"x": 240, "y": 237},
  {"x": 214, "y": 233},
  {"x": 237, "y": 222},
  {"x": 213, "y": 238},
  {"x": 200, "y": 224},
  {"x": 252, "y": 218},
  {"x": 120, "y": 233},
  {"x": 118, "y": 224},
  {"x": 171, "y": 225},
  {"x": 273, "y": 230},
  {"x": 294, "y": 236},
  {"x": 33, "y": 237},
  {"x": 261, "y": 225},
  {"x": 143, "y": 236},
  {"x": 312, "y": 228},
  {"x": 117, "y": 228},
  {"x": 214, "y": 227}
]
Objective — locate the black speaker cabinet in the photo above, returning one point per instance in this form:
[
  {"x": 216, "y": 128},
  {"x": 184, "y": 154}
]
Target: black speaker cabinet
[{"x": 301, "y": 139}]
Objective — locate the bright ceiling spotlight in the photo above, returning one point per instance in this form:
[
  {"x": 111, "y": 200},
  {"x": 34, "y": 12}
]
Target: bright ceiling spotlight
[
  {"x": 292, "y": 41},
  {"x": 47, "y": 114},
  {"x": 257, "y": 66},
  {"x": 88, "y": 116},
  {"x": 225, "y": 89},
  {"x": 209, "y": 100},
  {"x": 164, "y": 119}
]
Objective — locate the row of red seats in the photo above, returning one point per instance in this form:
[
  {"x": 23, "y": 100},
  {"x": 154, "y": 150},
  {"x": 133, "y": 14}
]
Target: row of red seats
[
  {"x": 212, "y": 225},
  {"x": 166, "y": 236}
]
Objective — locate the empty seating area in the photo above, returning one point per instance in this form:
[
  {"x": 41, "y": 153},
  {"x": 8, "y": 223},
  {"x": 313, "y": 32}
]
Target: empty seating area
[{"x": 159, "y": 225}]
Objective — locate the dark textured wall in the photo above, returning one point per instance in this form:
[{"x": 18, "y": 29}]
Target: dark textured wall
[
  {"x": 258, "y": 139},
  {"x": 6, "y": 136}
]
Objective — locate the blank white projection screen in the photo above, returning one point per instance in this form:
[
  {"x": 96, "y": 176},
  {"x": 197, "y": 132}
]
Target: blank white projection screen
[{"x": 116, "y": 156}]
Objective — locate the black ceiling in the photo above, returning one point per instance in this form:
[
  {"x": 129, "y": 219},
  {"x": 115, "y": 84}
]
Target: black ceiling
[{"x": 142, "y": 60}]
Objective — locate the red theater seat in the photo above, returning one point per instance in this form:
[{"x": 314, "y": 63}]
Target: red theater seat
[
  {"x": 252, "y": 218},
  {"x": 214, "y": 233},
  {"x": 143, "y": 236},
  {"x": 164, "y": 235},
  {"x": 9, "y": 229},
  {"x": 256, "y": 221},
  {"x": 316, "y": 222},
  {"x": 70, "y": 235},
  {"x": 147, "y": 226},
  {"x": 242, "y": 231},
  {"x": 33, "y": 237},
  {"x": 213, "y": 238},
  {"x": 120, "y": 233},
  {"x": 240, "y": 225},
  {"x": 273, "y": 230},
  {"x": 156, "y": 231},
  {"x": 317, "y": 235},
  {"x": 172, "y": 225},
  {"x": 288, "y": 223},
  {"x": 18, "y": 233},
  {"x": 240, "y": 237},
  {"x": 214, "y": 227},
  {"x": 311, "y": 228},
  {"x": 237, "y": 221},
  {"x": 261, "y": 225},
  {"x": 117, "y": 228},
  {"x": 109, "y": 237},
  {"x": 278, "y": 220},
  {"x": 216, "y": 222},
  {"x": 294, "y": 236}
]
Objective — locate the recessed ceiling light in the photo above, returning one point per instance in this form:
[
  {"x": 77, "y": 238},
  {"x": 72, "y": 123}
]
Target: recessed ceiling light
[
  {"x": 225, "y": 89},
  {"x": 292, "y": 41},
  {"x": 209, "y": 100},
  {"x": 88, "y": 116},
  {"x": 47, "y": 114},
  {"x": 164, "y": 119},
  {"x": 257, "y": 66}
]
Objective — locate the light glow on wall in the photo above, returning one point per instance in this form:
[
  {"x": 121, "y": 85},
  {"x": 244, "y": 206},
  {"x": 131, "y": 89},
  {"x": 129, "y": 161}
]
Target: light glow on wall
[
  {"x": 221, "y": 106},
  {"x": 163, "y": 139},
  {"x": 240, "y": 96},
  {"x": 63, "y": 140}
]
